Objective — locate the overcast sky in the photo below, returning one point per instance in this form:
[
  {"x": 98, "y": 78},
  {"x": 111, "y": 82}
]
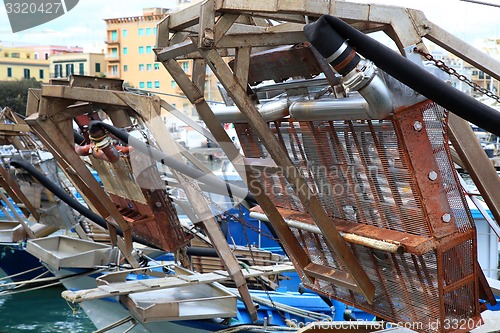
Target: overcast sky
[{"x": 84, "y": 25}]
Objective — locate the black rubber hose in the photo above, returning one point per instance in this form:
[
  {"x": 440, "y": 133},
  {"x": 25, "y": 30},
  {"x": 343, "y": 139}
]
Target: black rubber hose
[
  {"x": 73, "y": 203},
  {"x": 405, "y": 71},
  {"x": 343, "y": 61},
  {"x": 79, "y": 139},
  {"x": 175, "y": 164}
]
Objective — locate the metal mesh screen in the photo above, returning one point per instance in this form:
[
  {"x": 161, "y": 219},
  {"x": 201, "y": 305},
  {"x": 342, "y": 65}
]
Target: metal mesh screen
[{"x": 366, "y": 172}]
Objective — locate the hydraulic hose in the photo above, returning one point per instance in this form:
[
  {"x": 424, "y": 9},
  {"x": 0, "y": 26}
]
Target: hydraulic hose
[
  {"x": 73, "y": 203},
  {"x": 175, "y": 164},
  {"x": 324, "y": 35}
]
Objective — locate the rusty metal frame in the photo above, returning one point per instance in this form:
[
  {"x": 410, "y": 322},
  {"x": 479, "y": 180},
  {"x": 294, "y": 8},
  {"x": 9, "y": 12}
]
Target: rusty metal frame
[
  {"x": 17, "y": 133},
  {"x": 213, "y": 29},
  {"x": 50, "y": 118}
]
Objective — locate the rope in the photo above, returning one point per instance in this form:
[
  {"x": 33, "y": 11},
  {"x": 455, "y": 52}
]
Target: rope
[
  {"x": 21, "y": 273},
  {"x": 74, "y": 309},
  {"x": 257, "y": 328}
]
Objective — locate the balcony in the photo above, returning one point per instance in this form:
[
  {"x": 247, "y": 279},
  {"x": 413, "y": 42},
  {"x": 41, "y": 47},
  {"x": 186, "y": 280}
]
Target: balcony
[
  {"x": 112, "y": 41},
  {"x": 112, "y": 57},
  {"x": 112, "y": 37}
]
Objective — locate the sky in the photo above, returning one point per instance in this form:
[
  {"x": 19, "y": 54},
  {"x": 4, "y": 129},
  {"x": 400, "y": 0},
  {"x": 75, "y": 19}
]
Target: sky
[{"x": 84, "y": 26}]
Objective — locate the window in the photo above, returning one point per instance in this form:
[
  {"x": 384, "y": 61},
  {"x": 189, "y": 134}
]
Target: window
[
  {"x": 114, "y": 36},
  {"x": 481, "y": 74},
  {"x": 141, "y": 49},
  {"x": 157, "y": 84},
  {"x": 46, "y": 56},
  {"x": 125, "y": 68},
  {"x": 9, "y": 71},
  {"x": 150, "y": 84},
  {"x": 125, "y": 50},
  {"x": 114, "y": 70},
  {"x": 149, "y": 67},
  {"x": 149, "y": 49},
  {"x": 27, "y": 74},
  {"x": 15, "y": 55},
  {"x": 58, "y": 69},
  {"x": 6, "y": 55},
  {"x": 125, "y": 33},
  {"x": 173, "y": 84},
  {"x": 41, "y": 74},
  {"x": 114, "y": 52},
  {"x": 28, "y": 56},
  {"x": 141, "y": 67},
  {"x": 36, "y": 56},
  {"x": 185, "y": 66},
  {"x": 81, "y": 69},
  {"x": 148, "y": 31},
  {"x": 98, "y": 67},
  {"x": 70, "y": 69},
  {"x": 141, "y": 32},
  {"x": 157, "y": 67},
  {"x": 141, "y": 85}
]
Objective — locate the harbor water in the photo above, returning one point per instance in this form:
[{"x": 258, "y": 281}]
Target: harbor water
[{"x": 41, "y": 311}]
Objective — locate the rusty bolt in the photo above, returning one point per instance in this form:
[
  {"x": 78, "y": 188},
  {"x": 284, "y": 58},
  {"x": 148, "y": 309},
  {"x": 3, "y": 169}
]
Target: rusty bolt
[
  {"x": 417, "y": 126},
  {"x": 433, "y": 175},
  {"x": 446, "y": 218}
]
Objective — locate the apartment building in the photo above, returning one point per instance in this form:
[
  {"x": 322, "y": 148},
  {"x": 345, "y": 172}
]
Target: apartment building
[
  {"x": 46, "y": 51},
  {"x": 130, "y": 56},
  {"x": 18, "y": 63},
  {"x": 90, "y": 64}
]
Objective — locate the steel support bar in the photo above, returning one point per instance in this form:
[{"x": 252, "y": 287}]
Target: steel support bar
[{"x": 297, "y": 181}]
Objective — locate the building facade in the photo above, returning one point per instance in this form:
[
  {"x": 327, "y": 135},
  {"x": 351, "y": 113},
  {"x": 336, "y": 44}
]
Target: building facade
[
  {"x": 46, "y": 51},
  {"x": 17, "y": 63},
  {"x": 130, "y": 56},
  {"x": 89, "y": 64}
]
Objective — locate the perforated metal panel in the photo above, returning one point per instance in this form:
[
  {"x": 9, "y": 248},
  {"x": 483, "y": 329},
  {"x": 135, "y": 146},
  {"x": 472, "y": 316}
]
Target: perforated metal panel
[{"x": 394, "y": 174}]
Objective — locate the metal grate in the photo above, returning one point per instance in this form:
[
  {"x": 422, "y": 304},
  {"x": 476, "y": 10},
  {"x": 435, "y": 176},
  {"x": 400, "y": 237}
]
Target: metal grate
[{"x": 373, "y": 173}]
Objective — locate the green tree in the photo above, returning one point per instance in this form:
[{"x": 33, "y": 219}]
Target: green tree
[{"x": 14, "y": 94}]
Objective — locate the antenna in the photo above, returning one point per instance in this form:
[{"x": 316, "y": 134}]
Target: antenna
[{"x": 482, "y": 3}]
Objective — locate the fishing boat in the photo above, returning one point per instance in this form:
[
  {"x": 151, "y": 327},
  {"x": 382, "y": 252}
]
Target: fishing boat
[{"x": 348, "y": 158}]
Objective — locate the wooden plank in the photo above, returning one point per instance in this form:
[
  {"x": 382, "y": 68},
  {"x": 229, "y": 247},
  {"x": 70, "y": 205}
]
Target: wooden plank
[
  {"x": 462, "y": 50},
  {"x": 16, "y": 128},
  {"x": 100, "y": 96},
  {"x": 476, "y": 162},
  {"x": 130, "y": 287},
  {"x": 262, "y": 39},
  {"x": 206, "y": 24},
  {"x": 332, "y": 275},
  {"x": 162, "y": 33},
  {"x": 242, "y": 64},
  {"x": 174, "y": 51}
]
